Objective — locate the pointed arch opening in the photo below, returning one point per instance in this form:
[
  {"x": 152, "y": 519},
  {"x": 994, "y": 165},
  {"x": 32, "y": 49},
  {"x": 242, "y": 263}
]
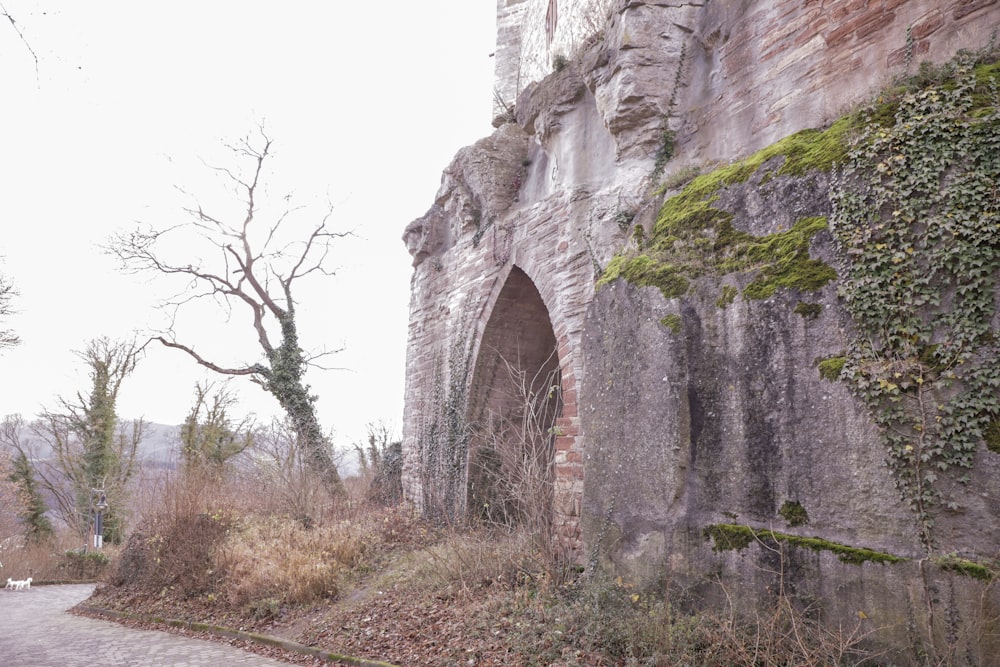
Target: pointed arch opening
[{"x": 515, "y": 400}]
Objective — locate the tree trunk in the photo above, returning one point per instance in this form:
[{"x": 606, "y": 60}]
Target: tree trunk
[{"x": 284, "y": 381}]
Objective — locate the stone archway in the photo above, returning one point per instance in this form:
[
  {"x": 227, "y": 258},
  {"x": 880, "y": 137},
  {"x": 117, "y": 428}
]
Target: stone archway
[{"x": 514, "y": 402}]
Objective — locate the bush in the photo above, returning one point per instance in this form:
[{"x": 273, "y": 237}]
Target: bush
[{"x": 78, "y": 564}]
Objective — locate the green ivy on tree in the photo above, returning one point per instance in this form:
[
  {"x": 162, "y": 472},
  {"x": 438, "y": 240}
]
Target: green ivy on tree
[
  {"x": 209, "y": 437},
  {"x": 37, "y": 526},
  {"x": 917, "y": 222}
]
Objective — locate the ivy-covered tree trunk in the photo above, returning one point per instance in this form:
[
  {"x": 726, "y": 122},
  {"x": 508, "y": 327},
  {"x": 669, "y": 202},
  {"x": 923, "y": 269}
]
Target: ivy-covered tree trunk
[
  {"x": 107, "y": 455},
  {"x": 284, "y": 380},
  {"x": 99, "y": 460},
  {"x": 37, "y": 526}
]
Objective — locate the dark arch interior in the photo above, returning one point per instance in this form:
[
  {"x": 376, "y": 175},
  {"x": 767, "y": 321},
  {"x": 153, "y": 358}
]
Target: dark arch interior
[{"x": 514, "y": 402}]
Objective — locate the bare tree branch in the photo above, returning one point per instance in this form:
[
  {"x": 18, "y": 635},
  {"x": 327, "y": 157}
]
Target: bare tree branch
[
  {"x": 7, "y": 293},
  {"x": 27, "y": 45},
  {"x": 247, "y": 370}
]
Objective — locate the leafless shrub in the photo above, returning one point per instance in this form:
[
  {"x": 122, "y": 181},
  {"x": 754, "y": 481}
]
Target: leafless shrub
[
  {"x": 175, "y": 543},
  {"x": 381, "y": 462},
  {"x": 511, "y": 469},
  {"x": 279, "y": 474}
]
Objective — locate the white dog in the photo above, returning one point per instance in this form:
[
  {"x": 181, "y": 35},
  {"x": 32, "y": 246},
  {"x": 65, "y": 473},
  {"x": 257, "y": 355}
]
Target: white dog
[
  {"x": 10, "y": 583},
  {"x": 19, "y": 585}
]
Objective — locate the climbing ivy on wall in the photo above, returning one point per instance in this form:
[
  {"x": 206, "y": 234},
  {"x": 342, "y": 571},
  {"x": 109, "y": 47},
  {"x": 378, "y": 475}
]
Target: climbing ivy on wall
[
  {"x": 917, "y": 222},
  {"x": 443, "y": 441}
]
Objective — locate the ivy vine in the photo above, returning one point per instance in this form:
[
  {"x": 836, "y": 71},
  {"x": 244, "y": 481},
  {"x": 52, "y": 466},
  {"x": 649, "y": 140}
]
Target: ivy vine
[{"x": 916, "y": 218}]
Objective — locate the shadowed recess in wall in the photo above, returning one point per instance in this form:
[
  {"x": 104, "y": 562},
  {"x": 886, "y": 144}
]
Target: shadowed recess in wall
[{"x": 514, "y": 402}]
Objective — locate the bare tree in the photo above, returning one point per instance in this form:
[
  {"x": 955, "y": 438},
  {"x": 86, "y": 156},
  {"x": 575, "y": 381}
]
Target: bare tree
[
  {"x": 12, "y": 505},
  {"x": 253, "y": 265},
  {"x": 381, "y": 462},
  {"x": 7, "y": 293},
  {"x": 45, "y": 466}
]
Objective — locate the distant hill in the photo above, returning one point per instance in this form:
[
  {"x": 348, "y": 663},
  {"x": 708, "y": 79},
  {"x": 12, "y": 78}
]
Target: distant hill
[{"x": 159, "y": 445}]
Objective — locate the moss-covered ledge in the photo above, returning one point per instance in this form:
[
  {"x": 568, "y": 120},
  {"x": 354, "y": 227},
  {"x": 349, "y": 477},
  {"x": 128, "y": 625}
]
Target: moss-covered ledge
[
  {"x": 692, "y": 238},
  {"x": 731, "y": 536},
  {"x": 968, "y": 567}
]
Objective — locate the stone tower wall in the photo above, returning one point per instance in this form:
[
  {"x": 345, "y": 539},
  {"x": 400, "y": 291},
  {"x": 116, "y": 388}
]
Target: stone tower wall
[
  {"x": 753, "y": 71},
  {"x": 677, "y": 412}
]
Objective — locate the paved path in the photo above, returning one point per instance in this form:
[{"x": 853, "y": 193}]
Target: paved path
[{"x": 36, "y": 631}]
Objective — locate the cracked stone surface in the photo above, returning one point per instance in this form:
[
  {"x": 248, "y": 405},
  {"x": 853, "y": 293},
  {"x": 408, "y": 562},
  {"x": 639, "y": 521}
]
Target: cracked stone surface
[{"x": 37, "y": 631}]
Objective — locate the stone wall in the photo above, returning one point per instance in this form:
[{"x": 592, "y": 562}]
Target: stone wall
[
  {"x": 753, "y": 71},
  {"x": 678, "y": 412}
]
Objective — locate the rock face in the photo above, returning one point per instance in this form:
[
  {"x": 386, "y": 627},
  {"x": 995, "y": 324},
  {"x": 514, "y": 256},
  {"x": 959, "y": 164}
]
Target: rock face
[{"x": 667, "y": 357}]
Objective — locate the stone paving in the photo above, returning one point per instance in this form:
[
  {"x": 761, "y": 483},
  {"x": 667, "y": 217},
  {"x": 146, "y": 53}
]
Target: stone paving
[{"x": 36, "y": 631}]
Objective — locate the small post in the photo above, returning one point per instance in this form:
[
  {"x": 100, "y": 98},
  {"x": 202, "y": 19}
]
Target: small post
[{"x": 99, "y": 507}]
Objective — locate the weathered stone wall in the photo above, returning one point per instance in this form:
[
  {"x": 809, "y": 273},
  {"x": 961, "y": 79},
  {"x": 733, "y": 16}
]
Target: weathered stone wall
[
  {"x": 507, "y": 77},
  {"x": 679, "y": 413},
  {"x": 754, "y": 71}
]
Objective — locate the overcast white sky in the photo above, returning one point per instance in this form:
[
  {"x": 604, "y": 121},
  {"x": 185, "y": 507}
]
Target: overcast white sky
[{"x": 366, "y": 103}]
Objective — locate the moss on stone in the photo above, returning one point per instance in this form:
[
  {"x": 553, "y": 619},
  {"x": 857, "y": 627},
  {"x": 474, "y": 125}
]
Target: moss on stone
[
  {"x": 804, "y": 151},
  {"x": 808, "y": 311},
  {"x": 830, "y": 368},
  {"x": 965, "y": 567},
  {"x": 786, "y": 262},
  {"x": 793, "y": 513},
  {"x": 691, "y": 237},
  {"x": 672, "y": 322},
  {"x": 727, "y": 296},
  {"x": 647, "y": 272},
  {"x": 639, "y": 236},
  {"x": 728, "y": 537},
  {"x": 992, "y": 436}
]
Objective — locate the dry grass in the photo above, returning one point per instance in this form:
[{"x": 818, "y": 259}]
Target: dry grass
[
  {"x": 274, "y": 558},
  {"x": 227, "y": 542},
  {"x": 464, "y": 563},
  {"x": 376, "y": 581},
  {"x": 60, "y": 558}
]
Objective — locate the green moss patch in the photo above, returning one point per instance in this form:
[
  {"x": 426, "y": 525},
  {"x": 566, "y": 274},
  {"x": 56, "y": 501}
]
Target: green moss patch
[
  {"x": 808, "y": 311},
  {"x": 728, "y": 537},
  {"x": 965, "y": 567},
  {"x": 647, "y": 272},
  {"x": 672, "y": 322},
  {"x": 784, "y": 258},
  {"x": 691, "y": 237},
  {"x": 726, "y": 296},
  {"x": 793, "y": 513},
  {"x": 830, "y": 368}
]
